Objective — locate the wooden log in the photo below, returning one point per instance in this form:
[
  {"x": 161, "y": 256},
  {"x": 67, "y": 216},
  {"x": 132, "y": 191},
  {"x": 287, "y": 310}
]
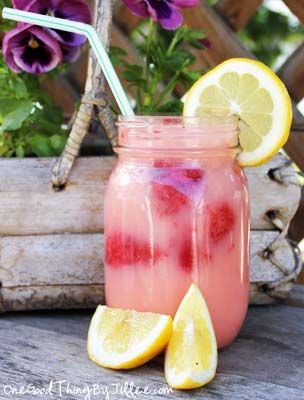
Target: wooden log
[
  {"x": 66, "y": 271},
  {"x": 237, "y": 13},
  {"x": 292, "y": 73},
  {"x": 29, "y": 205},
  {"x": 266, "y": 194}
]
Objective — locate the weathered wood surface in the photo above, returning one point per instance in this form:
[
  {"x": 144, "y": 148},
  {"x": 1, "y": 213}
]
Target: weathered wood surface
[
  {"x": 29, "y": 205},
  {"x": 266, "y": 361},
  {"x": 66, "y": 271}
]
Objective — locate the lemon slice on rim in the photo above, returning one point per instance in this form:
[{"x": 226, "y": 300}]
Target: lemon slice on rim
[
  {"x": 252, "y": 91},
  {"x": 191, "y": 355},
  {"x": 122, "y": 339}
]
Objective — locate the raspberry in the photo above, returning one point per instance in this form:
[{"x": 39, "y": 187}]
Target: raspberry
[
  {"x": 193, "y": 174},
  {"x": 222, "y": 220},
  {"x": 167, "y": 199},
  {"x": 123, "y": 249},
  {"x": 186, "y": 255}
]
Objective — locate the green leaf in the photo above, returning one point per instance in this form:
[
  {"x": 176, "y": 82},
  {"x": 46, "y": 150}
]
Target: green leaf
[
  {"x": 41, "y": 146},
  {"x": 20, "y": 151},
  {"x": 19, "y": 88},
  {"x": 13, "y": 113},
  {"x": 117, "y": 51},
  {"x": 174, "y": 106},
  {"x": 58, "y": 142},
  {"x": 133, "y": 73}
]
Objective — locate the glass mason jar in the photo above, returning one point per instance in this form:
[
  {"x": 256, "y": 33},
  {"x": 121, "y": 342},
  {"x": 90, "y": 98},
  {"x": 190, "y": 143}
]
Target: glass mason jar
[{"x": 177, "y": 212}]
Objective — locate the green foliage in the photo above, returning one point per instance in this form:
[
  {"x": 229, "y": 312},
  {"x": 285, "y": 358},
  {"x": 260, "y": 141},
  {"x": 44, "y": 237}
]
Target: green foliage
[
  {"x": 167, "y": 64},
  {"x": 268, "y": 33},
  {"x": 30, "y": 124},
  {"x": 5, "y": 24}
]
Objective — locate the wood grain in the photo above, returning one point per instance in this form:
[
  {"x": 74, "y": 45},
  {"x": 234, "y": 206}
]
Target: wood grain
[
  {"x": 66, "y": 271},
  {"x": 292, "y": 73},
  {"x": 237, "y": 13},
  {"x": 265, "y": 362},
  {"x": 29, "y": 205}
]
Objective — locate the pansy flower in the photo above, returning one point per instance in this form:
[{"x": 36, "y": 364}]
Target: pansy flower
[
  {"x": 75, "y": 10},
  {"x": 31, "y": 49},
  {"x": 165, "y": 11},
  {"x": 38, "y": 50}
]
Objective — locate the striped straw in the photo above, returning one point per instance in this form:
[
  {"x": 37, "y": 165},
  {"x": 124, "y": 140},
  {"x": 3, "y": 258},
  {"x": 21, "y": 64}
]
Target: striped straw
[{"x": 82, "y": 29}]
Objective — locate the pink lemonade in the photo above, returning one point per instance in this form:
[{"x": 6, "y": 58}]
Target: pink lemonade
[{"x": 176, "y": 212}]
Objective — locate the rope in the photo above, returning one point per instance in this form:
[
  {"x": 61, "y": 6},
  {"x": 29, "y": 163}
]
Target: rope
[{"x": 271, "y": 288}]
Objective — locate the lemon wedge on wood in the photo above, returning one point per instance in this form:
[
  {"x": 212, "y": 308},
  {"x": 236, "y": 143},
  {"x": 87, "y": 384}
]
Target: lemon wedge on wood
[
  {"x": 252, "y": 91},
  {"x": 123, "y": 339},
  {"x": 191, "y": 355}
]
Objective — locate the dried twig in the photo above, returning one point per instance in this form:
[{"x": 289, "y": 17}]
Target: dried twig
[{"x": 94, "y": 95}]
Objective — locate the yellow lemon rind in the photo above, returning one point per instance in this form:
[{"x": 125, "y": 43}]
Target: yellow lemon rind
[
  {"x": 246, "y": 158},
  {"x": 192, "y": 379},
  {"x": 152, "y": 346}
]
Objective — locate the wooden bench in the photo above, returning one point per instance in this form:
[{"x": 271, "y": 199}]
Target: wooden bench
[{"x": 266, "y": 361}]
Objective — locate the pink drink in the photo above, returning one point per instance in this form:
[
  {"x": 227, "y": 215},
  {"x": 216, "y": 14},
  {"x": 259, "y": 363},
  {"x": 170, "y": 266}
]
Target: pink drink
[{"x": 176, "y": 212}]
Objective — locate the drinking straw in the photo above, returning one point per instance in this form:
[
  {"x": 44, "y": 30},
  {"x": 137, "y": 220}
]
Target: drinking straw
[{"x": 82, "y": 29}]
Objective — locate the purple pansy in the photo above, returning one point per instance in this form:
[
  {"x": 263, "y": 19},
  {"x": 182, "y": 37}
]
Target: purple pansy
[
  {"x": 31, "y": 49},
  {"x": 39, "y": 50},
  {"x": 165, "y": 11},
  {"x": 75, "y": 10}
]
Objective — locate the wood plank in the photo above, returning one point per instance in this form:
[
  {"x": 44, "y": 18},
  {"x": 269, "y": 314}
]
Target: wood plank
[
  {"x": 295, "y": 148},
  {"x": 66, "y": 271},
  {"x": 50, "y": 297},
  {"x": 29, "y": 205},
  {"x": 256, "y": 365},
  {"x": 296, "y": 7},
  {"x": 292, "y": 73},
  {"x": 225, "y": 43},
  {"x": 237, "y": 13}
]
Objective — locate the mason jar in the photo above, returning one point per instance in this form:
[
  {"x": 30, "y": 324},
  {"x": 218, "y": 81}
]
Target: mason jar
[{"x": 177, "y": 212}]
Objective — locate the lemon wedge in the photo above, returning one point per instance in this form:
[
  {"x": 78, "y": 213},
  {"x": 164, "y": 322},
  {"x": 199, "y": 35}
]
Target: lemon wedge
[
  {"x": 122, "y": 339},
  {"x": 191, "y": 355},
  {"x": 250, "y": 90}
]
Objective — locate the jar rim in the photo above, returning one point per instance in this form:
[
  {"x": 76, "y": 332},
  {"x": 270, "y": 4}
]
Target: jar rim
[
  {"x": 143, "y": 121},
  {"x": 178, "y": 132}
]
